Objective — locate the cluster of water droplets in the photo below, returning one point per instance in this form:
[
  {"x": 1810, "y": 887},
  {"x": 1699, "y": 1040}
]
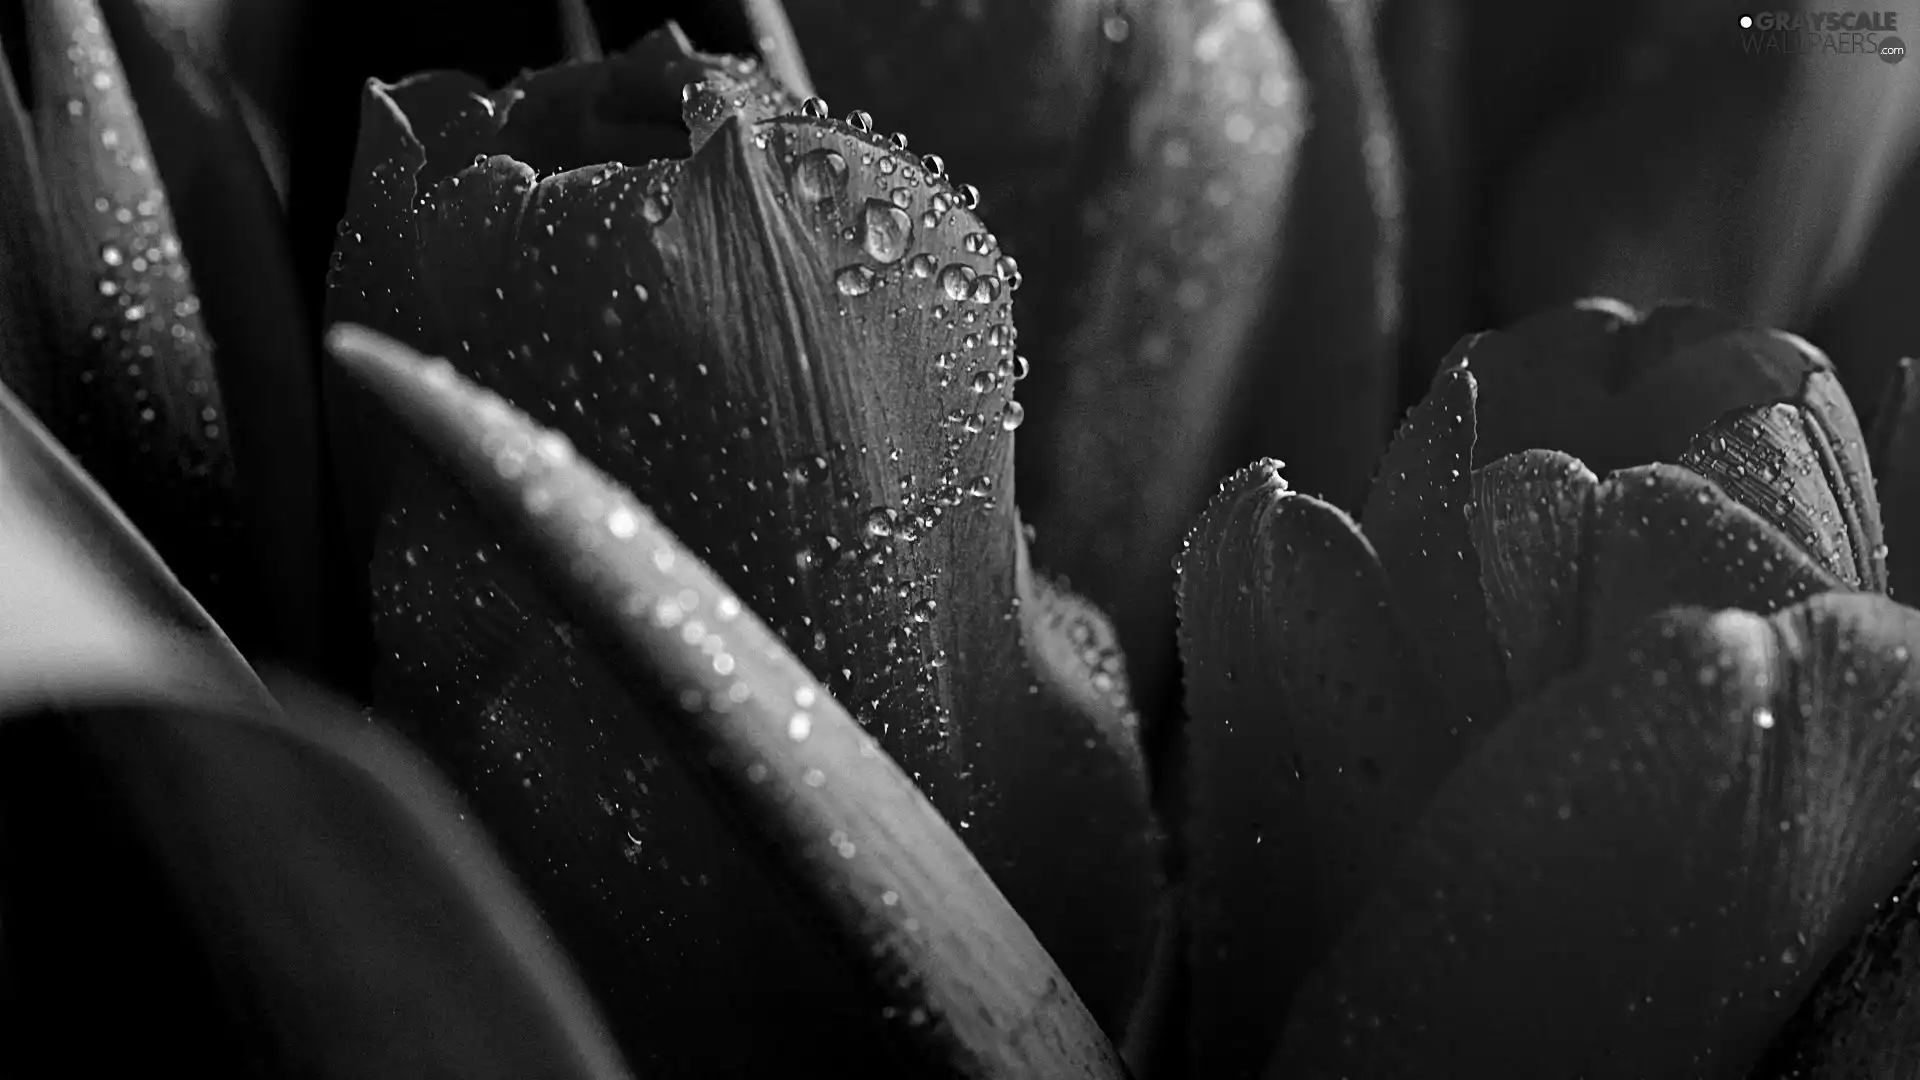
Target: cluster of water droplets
[{"x": 146, "y": 328}]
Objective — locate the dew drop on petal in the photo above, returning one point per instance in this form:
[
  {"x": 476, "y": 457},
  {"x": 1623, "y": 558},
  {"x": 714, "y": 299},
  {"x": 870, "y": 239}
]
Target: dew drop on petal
[
  {"x": 854, "y": 280},
  {"x": 956, "y": 280},
  {"x": 860, "y": 120},
  {"x": 1012, "y": 416},
  {"x": 923, "y": 266},
  {"x": 887, "y": 232},
  {"x": 799, "y": 726},
  {"x": 819, "y": 175},
  {"x": 814, "y": 108}
]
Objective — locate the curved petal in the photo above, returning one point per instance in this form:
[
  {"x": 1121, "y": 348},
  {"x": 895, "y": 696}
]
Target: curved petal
[
  {"x": 25, "y": 222},
  {"x": 1645, "y": 868},
  {"x": 137, "y": 398},
  {"x": 817, "y": 326},
  {"x": 1776, "y": 460},
  {"x": 1417, "y": 519},
  {"x": 842, "y": 829},
  {"x": 1313, "y": 739},
  {"x": 1862, "y": 1020},
  {"x": 1327, "y": 382},
  {"x": 1570, "y": 565},
  {"x": 1175, "y": 237},
  {"x": 368, "y": 926},
  {"x": 1531, "y": 515}
]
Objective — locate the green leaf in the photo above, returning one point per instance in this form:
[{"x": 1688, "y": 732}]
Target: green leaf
[
  {"x": 1148, "y": 336},
  {"x": 368, "y": 924},
  {"x": 847, "y": 833},
  {"x": 1645, "y": 868},
  {"x": 1326, "y": 384},
  {"x": 1313, "y": 739}
]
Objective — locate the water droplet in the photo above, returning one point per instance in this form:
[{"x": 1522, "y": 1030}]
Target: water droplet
[
  {"x": 813, "y": 778},
  {"x": 860, "y": 120},
  {"x": 109, "y": 287},
  {"x": 922, "y": 265},
  {"x": 854, "y": 280},
  {"x": 688, "y": 92},
  {"x": 111, "y": 255},
  {"x": 968, "y": 195},
  {"x": 897, "y": 141},
  {"x": 799, "y": 726},
  {"x": 888, "y": 232},
  {"x": 923, "y": 611},
  {"x": 623, "y": 523},
  {"x": 1012, "y": 416},
  {"x": 880, "y": 522},
  {"x": 934, "y": 164},
  {"x": 1763, "y": 718},
  {"x": 982, "y": 381},
  {"x": 656, "y": 207},
  {"x": 956, "y": 280},
  {"x": 1115, "y": 28},
  {"x": 819, "y": 175},
  {"x": 815, "y": 108}
]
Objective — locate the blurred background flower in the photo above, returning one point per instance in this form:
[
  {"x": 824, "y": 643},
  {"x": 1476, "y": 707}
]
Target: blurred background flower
[{"x": 1237, "y": 229}]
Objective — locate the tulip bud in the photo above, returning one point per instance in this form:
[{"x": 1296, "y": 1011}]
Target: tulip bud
[
  {"x": 796, "y": 345},
  {"x": 1484, "y": 567}
]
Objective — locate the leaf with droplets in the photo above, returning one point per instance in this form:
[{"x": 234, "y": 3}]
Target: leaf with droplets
[
  {"x": 1645, "y": 868},
  {"x": 847, "y": 832},
  {"x": 818, "y": 324},
  {"x": 232, "y": 232},
  {"x": 1139, "y": 355},
  {"x": 1326, "y": 386},
  {"x": 1313, "y": 739},
  {"x": 137, "y": 398},
  {"x": 1530, "y": 517},
  {"x": 1416, "y": 517},
  {"x": 643, "y": 882},
  {"x": 368, "y": 925}
]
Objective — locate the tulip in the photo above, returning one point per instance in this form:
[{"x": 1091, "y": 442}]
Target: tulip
[
  {"x": 805, "y": 764},
  {"x": 1487, "y": 782}
]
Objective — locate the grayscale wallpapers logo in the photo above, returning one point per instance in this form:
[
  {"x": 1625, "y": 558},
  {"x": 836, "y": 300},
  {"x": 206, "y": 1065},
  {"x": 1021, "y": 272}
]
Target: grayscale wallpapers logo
[{"x": 1838, "y": 33}]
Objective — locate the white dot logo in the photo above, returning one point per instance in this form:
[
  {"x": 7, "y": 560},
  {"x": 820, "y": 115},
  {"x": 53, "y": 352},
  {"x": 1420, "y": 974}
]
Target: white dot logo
[{"x": 1746, "y": 22}]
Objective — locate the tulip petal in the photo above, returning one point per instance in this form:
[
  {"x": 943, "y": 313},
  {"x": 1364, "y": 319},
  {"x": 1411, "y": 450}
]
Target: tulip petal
[
  {"x": 374, "y": 276},
  {"x": 1328, "y": 386},
  {"x": 1862, "y": 1019},
  {"x": 1615, "y": 387},
  {"x": 232, "y": 231},
  {"x": 1773, "y": 459},
  {"x": 769, "y": 316},
  {"x": 369, "y": 926},
  {"x": 846, "y": 832},
  {"x": 1175, "y": 247},
  {"x": 1312, "y": 741},
  {"x": 1642, "y": 871},
  {"x": 138, "y": 400},
  {"x": 1530, "y": 516},
  {"x": 1896, "y": 454},
  {"x": 1417, "y": 519},
  {"x": 1663, "y": 536}
]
